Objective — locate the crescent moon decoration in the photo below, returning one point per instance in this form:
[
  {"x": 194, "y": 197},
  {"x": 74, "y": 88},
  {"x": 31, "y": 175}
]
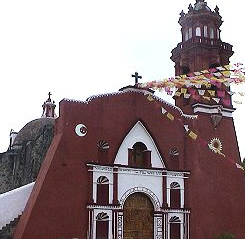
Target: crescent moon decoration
[{"x": 81, "y": 130}]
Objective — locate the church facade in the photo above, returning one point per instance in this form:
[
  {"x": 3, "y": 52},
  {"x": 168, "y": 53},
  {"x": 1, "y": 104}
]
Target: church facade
[{"x": 129, "y": 165}]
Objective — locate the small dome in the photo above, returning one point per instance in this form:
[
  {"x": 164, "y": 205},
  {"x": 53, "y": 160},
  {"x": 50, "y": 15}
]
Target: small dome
[
  {"x": 200, "y": 4},
  {"x": 32, "y": 130}
]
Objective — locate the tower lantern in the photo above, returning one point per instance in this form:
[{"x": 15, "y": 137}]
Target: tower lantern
[
  {"x": 49, "y": 108},
  {"x": 201, "y": 47}
]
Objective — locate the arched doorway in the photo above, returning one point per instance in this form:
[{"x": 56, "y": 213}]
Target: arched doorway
[{"x": 138, "y": 217}]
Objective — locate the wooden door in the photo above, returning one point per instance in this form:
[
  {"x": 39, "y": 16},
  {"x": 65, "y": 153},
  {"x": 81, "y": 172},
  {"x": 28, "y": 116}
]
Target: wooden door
[{"x": 138, "y": 217}]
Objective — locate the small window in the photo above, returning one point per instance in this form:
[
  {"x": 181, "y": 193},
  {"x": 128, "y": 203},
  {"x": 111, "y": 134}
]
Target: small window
[
  {"x": 218, "y": 35},
  {"x": 198, "y": 31},
  {"x": 102, "y": 190},
  {"x": 138, "y": 154},
  {"x": 174, "y": 230},
  {"x": 175, "y": 201},
  {"x": 205, "y": 29},
  {"x": 102, "y": 225},
  {"x": 175, "y": 223},
  {"x": 211, "y": 32},
  {"x": 186, "y": 36},
  {"x": 190, "y": 32}
]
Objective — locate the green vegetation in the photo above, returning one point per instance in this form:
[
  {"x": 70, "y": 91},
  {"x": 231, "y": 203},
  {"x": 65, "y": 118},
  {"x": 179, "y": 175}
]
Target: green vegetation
[{"x": 225, "y": 236}]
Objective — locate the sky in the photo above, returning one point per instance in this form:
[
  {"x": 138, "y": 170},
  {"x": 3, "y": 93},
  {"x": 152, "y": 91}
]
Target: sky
[{"x": 79, "y": 48}]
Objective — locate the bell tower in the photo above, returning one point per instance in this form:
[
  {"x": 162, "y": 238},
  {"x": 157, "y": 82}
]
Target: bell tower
[{"x": 201, "y": 48}]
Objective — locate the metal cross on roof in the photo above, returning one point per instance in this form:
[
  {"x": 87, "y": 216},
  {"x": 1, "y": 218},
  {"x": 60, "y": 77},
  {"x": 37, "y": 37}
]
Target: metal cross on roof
[
  {"x": 49, "y": 94},
  {"x": 136, "y": 76}
]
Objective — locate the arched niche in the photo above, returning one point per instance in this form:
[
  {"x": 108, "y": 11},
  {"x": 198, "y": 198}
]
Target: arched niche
[{"x": 138, "y": 133}]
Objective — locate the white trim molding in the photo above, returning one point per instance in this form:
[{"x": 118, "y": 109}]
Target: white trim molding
[{"x": 213, "y": 109}]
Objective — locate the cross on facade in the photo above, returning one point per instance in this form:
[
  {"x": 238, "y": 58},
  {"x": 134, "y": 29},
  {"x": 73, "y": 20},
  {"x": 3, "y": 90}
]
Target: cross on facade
[{"x": 136, "y": 76}]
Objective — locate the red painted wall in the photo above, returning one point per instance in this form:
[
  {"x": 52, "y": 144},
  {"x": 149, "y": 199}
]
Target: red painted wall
[{"x": 57, "y": 206}]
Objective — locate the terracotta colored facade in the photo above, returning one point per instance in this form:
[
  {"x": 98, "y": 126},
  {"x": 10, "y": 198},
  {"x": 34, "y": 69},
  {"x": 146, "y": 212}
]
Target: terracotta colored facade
[{"x": 129, "y": 158}]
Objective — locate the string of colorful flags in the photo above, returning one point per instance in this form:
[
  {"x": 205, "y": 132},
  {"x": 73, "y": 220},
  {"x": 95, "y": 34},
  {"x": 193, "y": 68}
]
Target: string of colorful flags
[
  {"x": 215, "y": 144},
  {"x": 199, "y": 84}
]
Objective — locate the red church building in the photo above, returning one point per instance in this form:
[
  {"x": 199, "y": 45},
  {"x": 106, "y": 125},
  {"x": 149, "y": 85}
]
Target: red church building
[{"x": 129, "y": 165}]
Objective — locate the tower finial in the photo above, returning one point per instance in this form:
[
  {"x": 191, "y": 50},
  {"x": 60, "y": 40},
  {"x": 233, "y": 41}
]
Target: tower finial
[{"x": 216, "y": 9}]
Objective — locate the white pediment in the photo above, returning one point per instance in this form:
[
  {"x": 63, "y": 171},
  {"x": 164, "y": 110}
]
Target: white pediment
[{"x": 139, "y": 134}]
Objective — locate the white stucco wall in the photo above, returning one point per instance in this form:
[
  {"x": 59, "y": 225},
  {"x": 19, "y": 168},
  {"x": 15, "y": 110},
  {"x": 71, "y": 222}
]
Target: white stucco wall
[
  {"x": 139, "y": 134},
  {"x": 140, "y": 179}
]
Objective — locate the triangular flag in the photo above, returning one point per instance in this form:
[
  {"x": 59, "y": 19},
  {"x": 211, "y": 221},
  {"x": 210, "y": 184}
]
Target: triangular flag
[
  {"x": 197, "y": 73},
  {"x": 149, "y": 97},
  {"x": 241, "y": 93},
  {"x": 226, "y": 73},
  {"x": 206, "y": 98},
  {"x": 183, "y": 90},
  {"x": 230, "y": 92},
  {"x": 238, "y": 102},
  {"x": 164, "y": 111},
  {"x": 177, "y": 93},
  {"x": 217, "y": 74},
  {"x": 193, "y": 135},
  {"x": 205, "y": 71},
  {"x": 239, "y": 166},
  {"x": 187, "y": 84},
  {"x": 208, "y": 85},
  {"x": 187, "y": 96},
  {"x": 212, "y": 70},
  {"x": 220, "y": 68},
  {"x": 186, "y": 126},
  {"x": 192, "y": 91},
  {"x": 198, "y": 86},
  {"x": 217, "y": 100},
  {"x": 171, "y": 117},
  {"x": 227, "y": 67},
  {"x": 211, "y": 92},
  {"x": 227, "y": 84},
  {"x": 221, "y": 93},
  {"x": 201, "y": 92},
  {"x": 196, "y": 97}
]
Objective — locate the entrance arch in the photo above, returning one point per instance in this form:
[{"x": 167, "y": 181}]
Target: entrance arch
[{"x": 138, "y": 214}]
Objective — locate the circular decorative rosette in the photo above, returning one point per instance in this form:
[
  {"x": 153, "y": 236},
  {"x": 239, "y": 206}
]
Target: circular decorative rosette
[
  {"x": 216, "y": 146},
  {"x": 81, "y": 130}
]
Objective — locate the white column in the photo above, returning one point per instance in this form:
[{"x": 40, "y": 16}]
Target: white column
[
  {"x": 94, "y": 226},
  {"x": 95, "y": 192},
  {"x": 168, "y": 195},
  {"x": 110, "y": 229},
  {"x": 182, "y": 198},
  {"x": 110, "y": 193}
]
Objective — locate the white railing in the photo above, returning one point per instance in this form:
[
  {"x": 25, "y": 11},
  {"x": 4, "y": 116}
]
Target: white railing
[{"x": 12, "y": 203}]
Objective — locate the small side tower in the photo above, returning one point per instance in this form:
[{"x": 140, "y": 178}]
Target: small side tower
[{"x": 49, "y": 108}]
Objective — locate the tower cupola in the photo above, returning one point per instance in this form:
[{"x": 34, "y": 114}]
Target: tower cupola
[
  {"x": 49, "y": 108},
  {"x": 201, "y": 47}
]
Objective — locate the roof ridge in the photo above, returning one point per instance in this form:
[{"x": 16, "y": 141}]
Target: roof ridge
[{"x": 142, "y": 91}]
